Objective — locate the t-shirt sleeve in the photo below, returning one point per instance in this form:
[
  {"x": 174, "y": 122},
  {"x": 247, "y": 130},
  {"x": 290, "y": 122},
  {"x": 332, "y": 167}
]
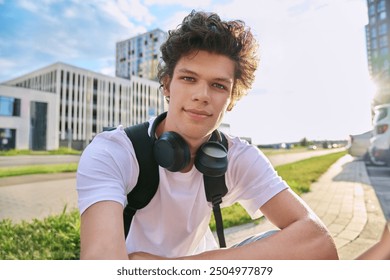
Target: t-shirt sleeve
[
  {"x": 107, "y": 169},
  {"x": 251, "y": 178}
]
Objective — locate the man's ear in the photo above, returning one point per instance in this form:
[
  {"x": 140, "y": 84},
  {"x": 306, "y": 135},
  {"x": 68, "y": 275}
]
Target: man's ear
[{"x": 166, "y": 84}]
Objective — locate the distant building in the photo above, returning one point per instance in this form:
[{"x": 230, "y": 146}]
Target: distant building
[
  {"x": 378, "y": 48},
  {"x": 63, "y": 105},
  {"x": 139, "y": 56}
]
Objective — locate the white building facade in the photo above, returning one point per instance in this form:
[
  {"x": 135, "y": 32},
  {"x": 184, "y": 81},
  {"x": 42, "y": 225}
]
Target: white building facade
[
  {"x": 79, "y": 103},
  {"x": 139, "y": 56},
  {"x": 24, "y": 121}
]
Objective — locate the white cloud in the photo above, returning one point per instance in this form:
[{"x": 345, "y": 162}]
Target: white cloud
[
  {"x": 136, "y": 10},
  {"x": 174, "y": 20},
  {"x": 70, "y": 13},
  {"x": 126, "y": 11},
  {"x": 28, "y": 5},
  {"x": 110, "y": 71},
  {"x": 114, "y": 12},
  {"x": 183, "y": 3},
  {"x": 6, "y": 63}
]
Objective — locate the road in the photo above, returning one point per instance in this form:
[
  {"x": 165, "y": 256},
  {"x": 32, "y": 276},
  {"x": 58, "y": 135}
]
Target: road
[{"x": 7, "y": 161}]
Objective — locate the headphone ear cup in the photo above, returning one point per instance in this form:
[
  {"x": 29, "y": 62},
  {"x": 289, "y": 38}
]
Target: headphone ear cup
[
  {"x": 171, "y": 151},
  {"x": 211, "y": 159}
]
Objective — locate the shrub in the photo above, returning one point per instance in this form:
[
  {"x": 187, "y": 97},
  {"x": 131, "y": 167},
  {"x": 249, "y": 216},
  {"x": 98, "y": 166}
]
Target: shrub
[{"x": 54, "y": 238}]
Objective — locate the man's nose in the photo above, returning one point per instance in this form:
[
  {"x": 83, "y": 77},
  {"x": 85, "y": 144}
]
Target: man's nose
[{"x": 202, "y": 93}]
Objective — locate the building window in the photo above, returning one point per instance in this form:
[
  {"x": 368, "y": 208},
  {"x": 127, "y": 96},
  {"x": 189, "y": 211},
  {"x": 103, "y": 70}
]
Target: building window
[
  {"x": 372, "y": 20},
  {"x": 383, "y": 41},
  {"x": 374, "y": 44},
  {"x": 9, "y": 106},
  {"x": 386, "y": 65},
  {"x": 381, "y": 6},
  {"x": 371, "y": 10},
  {"x": 373, "y": 32},
  {"x": 7, "y": 139},
  {"x": 382, "y": 15},
  {"x": 384, "y": 51},
  {"x": 383, "y": 29}
]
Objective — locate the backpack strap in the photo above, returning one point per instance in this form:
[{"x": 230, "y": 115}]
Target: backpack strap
[
  {"x": 215, "y": 188},
  {"x": 148, "y": 178}
]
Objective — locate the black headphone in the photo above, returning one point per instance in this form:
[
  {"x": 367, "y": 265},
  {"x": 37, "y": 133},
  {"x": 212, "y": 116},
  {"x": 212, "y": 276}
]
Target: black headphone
[{"x": 172, "y": 152}]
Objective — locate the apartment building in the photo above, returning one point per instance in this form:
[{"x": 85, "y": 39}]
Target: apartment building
[
  {"x": 139, "y": 55},
  {"x": 63, "y": 105},
  {"x": 378, "y": 48}
]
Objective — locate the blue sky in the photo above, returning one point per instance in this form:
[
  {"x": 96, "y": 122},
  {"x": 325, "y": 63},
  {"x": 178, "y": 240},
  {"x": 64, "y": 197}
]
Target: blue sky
[{"x": 312, "y": 81}]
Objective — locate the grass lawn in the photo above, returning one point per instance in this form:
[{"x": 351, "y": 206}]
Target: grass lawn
[
  {"x": 60, "y": 151},
  {"x": 37, "y": 169}
]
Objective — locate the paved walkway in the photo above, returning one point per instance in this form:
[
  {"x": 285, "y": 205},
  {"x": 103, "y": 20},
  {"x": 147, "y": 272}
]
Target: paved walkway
[
  {"x": 345, "y": 201},
  {"x": 343, "y": 198}
]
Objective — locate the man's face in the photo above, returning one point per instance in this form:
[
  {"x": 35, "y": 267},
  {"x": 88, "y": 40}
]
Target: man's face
[{"x": 199, "y": 94}]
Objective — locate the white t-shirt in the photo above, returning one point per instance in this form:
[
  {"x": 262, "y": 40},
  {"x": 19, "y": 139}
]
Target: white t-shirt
[{"x": 175, "y": 222}]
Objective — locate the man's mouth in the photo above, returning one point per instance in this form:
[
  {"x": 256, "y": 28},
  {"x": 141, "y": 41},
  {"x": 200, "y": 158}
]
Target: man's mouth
[{"x": 198, "y": 112}]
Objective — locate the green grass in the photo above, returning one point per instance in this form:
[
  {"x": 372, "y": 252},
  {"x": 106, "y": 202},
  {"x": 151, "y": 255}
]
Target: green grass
[
  {"x": 54, "y": 238},
  {"x": 300, "y": 175},
  {"x": 57, "y": 237},
  {"x": 37, "y": 169},
  {"x": 60, "y": 151}
]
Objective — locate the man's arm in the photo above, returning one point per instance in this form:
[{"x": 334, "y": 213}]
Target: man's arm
[
  {"x": 381, "y": 249},
  {"x": 101, "y": 232},
  {"x": 302, "y": 235}
]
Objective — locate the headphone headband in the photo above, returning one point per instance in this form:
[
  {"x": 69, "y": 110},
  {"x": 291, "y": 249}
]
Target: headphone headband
[
  {"x": 156, "y": 122},
  {"x": 173, "y": 153}
]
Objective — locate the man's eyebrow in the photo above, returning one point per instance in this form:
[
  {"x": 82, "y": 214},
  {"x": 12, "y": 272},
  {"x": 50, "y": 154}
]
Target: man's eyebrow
[
  {"x": 186, "y": 71},
  {"x": 225, "y": 80},
  {"x": 220, "y": 79}
]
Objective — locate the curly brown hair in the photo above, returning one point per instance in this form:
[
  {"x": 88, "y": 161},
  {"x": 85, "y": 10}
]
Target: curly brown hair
[{"x": 207, "y": 32}]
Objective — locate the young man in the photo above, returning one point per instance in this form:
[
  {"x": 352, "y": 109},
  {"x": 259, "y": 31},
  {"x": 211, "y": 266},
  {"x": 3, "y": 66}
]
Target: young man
[{"x": 208, "y": 65}]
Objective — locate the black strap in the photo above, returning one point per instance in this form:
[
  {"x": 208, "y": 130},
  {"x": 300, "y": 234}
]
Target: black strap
[
  {"x": 215, "y": 188},
  {"x": 148, "y": 178}
]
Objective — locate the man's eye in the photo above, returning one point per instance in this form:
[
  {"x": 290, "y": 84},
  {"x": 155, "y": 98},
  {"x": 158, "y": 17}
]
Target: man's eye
[
  {"x": 188, "y": 79},
  {"x": 219, "y": 86}
]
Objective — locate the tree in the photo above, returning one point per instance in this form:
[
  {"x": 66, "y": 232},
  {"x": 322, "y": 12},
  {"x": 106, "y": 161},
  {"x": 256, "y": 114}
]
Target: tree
[{"x": 304, "y": 142}]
